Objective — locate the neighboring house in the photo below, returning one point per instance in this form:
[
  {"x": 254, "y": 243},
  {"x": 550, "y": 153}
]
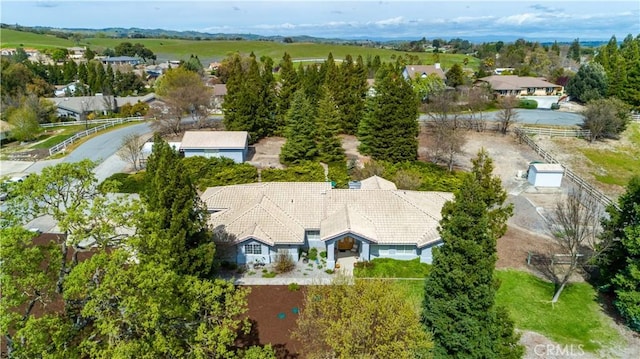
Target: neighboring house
[
  {"x": 76, "y": 107},
  {"x": 121, "y": 60},
  {"x": 512, "y": 85},
  {"x": 65, "y": 90},
  {"x": 229, "y": 144},
  {"x": 413, "y": 71},
  {"x": 5, "y": 129},
  {"x": 375, "y": 221},
  {"x": 76, "y": 53},
  {"x": 154, "y": 71},
  {"x": 219, "y": 92}
]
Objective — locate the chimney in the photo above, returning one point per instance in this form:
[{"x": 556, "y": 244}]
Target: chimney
[{"x": 354, "y": 184}]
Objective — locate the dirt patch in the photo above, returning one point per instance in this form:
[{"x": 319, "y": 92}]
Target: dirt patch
[
  {"x": 273, "y": 311},
  {"x": 350, "y": 144},
  {"x": 266, "y": 152}
]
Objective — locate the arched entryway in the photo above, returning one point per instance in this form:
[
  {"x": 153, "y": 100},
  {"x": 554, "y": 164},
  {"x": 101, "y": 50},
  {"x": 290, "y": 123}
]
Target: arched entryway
[{"x": 345, "y": 250}]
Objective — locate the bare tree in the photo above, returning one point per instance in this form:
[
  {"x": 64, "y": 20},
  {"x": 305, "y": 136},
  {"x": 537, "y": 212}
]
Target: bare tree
[
  {"x": 574, "y": 225},
  {"x": 131, "y": 150},
  {"x": 477, "y": 100},
  {"x": 507, "y": 115},
  {"x": 225, "y": 244},
  {"x": 86, "y": 106},
  {"x": 448, "y": 134}
]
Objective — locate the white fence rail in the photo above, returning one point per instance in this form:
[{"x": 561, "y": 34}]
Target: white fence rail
[
  {"x": 90, "y": 122},
  {"x": 555, "y": 132},
  {"x": 116, "y": 121},
  {"x": 579, "y": 181},
  {"x": 635, "y": 117}
]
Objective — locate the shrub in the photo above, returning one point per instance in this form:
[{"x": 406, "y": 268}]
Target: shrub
[
  {"x": 284, "y": 262},
  {"x": 294, "y": 287},
  {"x": 329, "y": 271},
  {"x": 304, "y": 172},
  {"x": 555, "y": 106},
  {"x": 323, "y": 254},
  {"x": 269, "y": 275},
  {"x": 127, "y": 183},
  {"x": 528, "y": 104},
  {"x": 313, "y": 254},
  {"x": 339, "y": 174}
]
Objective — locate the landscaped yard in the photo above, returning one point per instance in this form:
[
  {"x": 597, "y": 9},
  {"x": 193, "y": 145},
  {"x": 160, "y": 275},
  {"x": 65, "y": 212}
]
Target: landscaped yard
[{"x": 576, "y": 319}]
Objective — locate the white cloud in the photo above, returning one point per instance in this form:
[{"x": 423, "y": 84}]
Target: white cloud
[
  {"x": 398, "y": 20},
  {"x": 519, "y": 19}
]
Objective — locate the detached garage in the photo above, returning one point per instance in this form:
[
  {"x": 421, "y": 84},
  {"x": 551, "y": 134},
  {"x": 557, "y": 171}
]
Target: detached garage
[
  {"x": 230, "y": 144},
  {"x": 545, "y": 174}
]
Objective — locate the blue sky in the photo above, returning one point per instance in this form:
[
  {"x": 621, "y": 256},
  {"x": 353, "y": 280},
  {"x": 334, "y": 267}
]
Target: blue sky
[{"x": 587, "y": 20}]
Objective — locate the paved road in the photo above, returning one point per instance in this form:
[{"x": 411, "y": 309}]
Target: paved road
[
  {"x": 536, "y": 117},
  {"x": 101, "y": 147}
]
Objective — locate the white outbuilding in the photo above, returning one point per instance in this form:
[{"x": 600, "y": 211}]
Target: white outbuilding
[{"x": 545, "y": 174}]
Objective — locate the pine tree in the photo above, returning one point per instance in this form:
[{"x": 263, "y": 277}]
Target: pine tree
[
  {"x": 288, "y": 86},
  {"x": 268, "y": 105},
  {"x": 300, "y": 145},
  {"x": 328, "y": 143},
  {"x": 459, "y": 306},
  {"x": 174, "y": 230},
  {"x": 389, "y": 128}
]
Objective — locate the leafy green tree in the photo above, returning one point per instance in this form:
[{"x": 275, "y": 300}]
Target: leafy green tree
[
  {"x": 148, "y": 310},
  {"x": 59, "y": 54},
  {"x": 193, "y": 64},
  {"x": 328, "y": 143},
  {"x": 389, "y": 129},
  {"x": 620, "y": 263},
  {"x": 300, "y": 133},
  {"x": 25, "y": 124},
  {"x": 459, "y": 306},
  {"x": 35, "y": 276},
  {"x": 455, "y": 76},
  {"x": 363, "y": 319},
  {"x": 427, "y": 86},
  {"x": 183, "y": 93},
  {"x": 589, "y": 83},
  {"x": 175, "y": 224},
  {"x": 605, "y": 118}
]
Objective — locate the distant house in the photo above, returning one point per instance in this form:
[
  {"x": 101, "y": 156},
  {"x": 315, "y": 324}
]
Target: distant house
[
  {"x": 219, "y": 92},
  {"x": 76, "y": 53},
  {"x": 229, "y": 144},
  {"x": 376, "y": 221},
  {"x": 121, "y": 60},
  {"x": 413, "y": 71},
  {"x": 65, "y": 90},
  {"x": 512, "y": 85},
  {"x": 76, "y": 107}
]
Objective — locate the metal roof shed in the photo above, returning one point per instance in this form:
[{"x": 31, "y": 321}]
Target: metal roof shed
[{"x": 545, "y": 174}]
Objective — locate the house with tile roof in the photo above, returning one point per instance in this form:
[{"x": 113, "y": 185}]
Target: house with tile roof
[
  {"x": 375, "y": 221},
  {"x": 513, "y": 85},
  {"x": 77, "y": 107},
  {"x": 229, "y": 144},
  {"x": 413, "y": 71}
]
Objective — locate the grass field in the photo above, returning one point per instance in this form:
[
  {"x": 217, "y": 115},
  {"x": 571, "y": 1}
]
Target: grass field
[
  {"x": 618, "y": 164},
  {"x": 576, "y": 319},
  {"x": 209, "y": 50},
  {"x": 391, "y": 268}
]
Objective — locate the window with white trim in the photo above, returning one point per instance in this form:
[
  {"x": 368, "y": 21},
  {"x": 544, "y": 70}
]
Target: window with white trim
[{"x": 253, "y": 249}]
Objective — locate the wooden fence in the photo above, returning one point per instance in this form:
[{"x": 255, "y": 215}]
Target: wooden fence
[
  {"x": 555, "y": 132},
  {"x": 90, "y": 122},
  {"x": 587, "y": 187},
  {"x": 116, "y": 121}
]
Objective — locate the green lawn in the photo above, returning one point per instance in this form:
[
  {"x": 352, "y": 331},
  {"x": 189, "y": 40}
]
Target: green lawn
[
  {"x": 576, "y": 319},
  {"x": 619, "y": 164},
  {"x": 53, "y": 140},
  {"x": 208, "y": 50},
  {"x": 392, "y": 268}
]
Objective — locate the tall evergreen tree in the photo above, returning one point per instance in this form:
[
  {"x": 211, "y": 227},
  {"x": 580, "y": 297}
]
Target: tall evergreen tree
[
  {"x": 300, "y": 145},
  {"x": 268, "y": 104},
  {"x": 174, "y": 230},
  {"x": 350, "y": 94},
  {"x": 459, "y": 306},
  {"x": 327, "y": 128},
  {"x": 288, "y": 86},
  {"x": 389, "y": 128}
]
